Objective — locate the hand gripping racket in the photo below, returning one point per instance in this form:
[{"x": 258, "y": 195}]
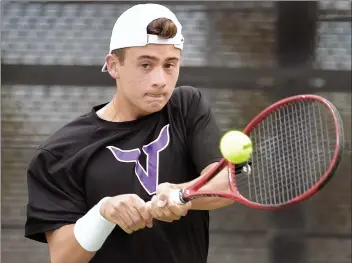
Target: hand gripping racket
[{"x": 297, "y": 146}]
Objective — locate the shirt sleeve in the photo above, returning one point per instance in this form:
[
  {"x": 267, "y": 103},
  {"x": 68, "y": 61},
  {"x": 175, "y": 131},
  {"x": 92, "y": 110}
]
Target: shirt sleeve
[
  {"x": 55, "y": 195},
  {"x": 203, "y": 133}
]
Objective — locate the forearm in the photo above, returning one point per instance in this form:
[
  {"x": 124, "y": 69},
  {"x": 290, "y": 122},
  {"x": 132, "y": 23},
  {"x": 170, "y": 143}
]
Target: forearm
[
  {"x": 219, "y": 183},
  {"x": 78, "y": 243},
  {"x": 64, "y": 247},
  {"x": 210, "y": 203}
]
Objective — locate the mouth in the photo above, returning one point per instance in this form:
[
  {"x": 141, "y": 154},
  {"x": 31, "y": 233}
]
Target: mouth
[{"x": 155, "y": 95}]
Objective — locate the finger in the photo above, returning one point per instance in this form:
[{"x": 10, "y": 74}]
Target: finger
[
  {"x": 136, "y": 219},
  {"x": 161, "y": 195},
  {"x": 168, "y": 212},
  {"x": 179, "y": 210},
  {"x": 149, "y": 208},
  {"x": 114, "y": 215},
  {"x": 162, "y": 200},
  {"x": 155, "y": 210},
  {"x": 161, "y": 203},
  {"x": 172, "y": 212},
  {"x": 163, "y": 217},
  {"x": 122, "y": 224},
  {"x": 127, "y": 219},
  {"x": 143, "y": 209},
  {"x": 163, "y": 214},
  {"x": 185, "y": 208},
  {"x": 146, "y": 215}
]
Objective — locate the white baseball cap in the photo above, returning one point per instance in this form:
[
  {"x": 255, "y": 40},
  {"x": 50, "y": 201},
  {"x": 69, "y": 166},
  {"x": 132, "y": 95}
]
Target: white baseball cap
[{"x": 130, "y": 29}]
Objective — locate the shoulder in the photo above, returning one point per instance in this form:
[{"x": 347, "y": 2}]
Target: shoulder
[
  {"x": 71, "y": 137},
  {"x": 186, "y": 97},
  {"x": 185, "y": 93}
]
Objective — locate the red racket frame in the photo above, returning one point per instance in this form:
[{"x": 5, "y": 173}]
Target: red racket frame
[{"x": 192, "y": 192}]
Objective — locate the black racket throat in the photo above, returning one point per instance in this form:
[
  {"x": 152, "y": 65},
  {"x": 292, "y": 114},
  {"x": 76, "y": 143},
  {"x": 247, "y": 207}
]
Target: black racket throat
[{"x": 182, "y": 197}]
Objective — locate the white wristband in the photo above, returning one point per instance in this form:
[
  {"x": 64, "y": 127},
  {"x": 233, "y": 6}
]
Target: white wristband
[{"x": 93, "y": 229}]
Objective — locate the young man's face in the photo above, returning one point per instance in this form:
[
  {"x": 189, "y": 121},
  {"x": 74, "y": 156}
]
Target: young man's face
[{"x": 148, "y": 76}]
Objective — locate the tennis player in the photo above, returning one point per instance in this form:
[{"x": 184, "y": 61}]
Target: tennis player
[{"x": 96, "y": 185}]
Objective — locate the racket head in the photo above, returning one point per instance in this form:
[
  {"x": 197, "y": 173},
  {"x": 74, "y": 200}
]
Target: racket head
[
  {"x": 301, "y": 139},
  {"x": 239, "y": 179}
]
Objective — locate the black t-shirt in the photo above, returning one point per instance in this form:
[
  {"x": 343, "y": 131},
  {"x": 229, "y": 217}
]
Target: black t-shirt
[{"x": 90, "y": 158}]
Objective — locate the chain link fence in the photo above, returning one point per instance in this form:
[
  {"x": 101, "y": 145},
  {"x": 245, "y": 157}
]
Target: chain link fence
[{"x": 238, "y": 36}]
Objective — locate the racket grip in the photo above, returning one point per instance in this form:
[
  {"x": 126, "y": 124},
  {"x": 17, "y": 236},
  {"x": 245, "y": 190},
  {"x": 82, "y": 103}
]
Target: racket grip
[{"x": 176, "y": 197}]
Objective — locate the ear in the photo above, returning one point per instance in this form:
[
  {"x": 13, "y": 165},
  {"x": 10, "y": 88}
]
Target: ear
[{"x": 112, "y": 64}]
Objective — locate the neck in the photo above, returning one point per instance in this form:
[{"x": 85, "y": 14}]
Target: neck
[{"x": 119, "y": 109}]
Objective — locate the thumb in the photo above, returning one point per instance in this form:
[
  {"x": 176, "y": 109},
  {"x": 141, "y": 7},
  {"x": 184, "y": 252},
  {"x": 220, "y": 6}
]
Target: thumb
[
  {"x": 187, "y": 206},
  {"x": 162, "y": 200}
]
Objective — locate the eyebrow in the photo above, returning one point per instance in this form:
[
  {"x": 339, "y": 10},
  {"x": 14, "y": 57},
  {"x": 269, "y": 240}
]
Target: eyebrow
[{"x": 157, "y": 59}]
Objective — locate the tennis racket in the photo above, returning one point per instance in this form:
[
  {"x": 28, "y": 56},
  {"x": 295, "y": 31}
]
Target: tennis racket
[{"x": 297, "y": 146}]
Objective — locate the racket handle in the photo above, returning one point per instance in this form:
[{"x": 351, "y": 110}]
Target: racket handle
[{"x": 176, "y": 197}]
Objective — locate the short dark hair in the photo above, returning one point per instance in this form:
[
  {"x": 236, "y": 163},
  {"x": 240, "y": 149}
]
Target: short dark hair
[{"x": 162, "y": 27}]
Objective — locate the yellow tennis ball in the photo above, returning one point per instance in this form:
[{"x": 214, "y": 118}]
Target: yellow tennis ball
[{"x": 236, "y": 147}]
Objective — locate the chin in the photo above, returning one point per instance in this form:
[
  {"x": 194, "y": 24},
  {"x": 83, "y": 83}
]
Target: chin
[{"x": 154, "y": 107}]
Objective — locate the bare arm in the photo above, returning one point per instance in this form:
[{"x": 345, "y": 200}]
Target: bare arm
[
  {"x": 78, "y": 243},
  {"x": 218, "y": 183},
  {"x": 64, "y": 247},
  {"x": 163, "y": 210}
]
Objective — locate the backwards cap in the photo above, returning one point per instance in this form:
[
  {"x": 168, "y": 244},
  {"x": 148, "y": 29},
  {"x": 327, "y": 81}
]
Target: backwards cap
[{"x": 130, "y": 29}]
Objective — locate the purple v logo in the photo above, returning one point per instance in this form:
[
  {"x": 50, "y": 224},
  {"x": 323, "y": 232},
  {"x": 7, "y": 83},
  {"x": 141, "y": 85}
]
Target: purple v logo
[{"x": 148, "y": 178}]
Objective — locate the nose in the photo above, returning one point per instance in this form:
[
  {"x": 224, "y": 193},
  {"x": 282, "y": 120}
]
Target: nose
[{"x": 159, "y": 78}]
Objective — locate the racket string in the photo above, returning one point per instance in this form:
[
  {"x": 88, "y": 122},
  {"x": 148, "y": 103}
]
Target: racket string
[{"x": 292, "y": 149}]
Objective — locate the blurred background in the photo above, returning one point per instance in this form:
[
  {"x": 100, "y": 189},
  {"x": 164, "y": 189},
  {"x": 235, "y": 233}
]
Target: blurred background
[{"x": 242, "y": 55}]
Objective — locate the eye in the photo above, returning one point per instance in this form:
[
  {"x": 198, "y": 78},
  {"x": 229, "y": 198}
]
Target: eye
[
  {"x": 145, "y": 65},
  {"x": 169, "y": 65}
]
